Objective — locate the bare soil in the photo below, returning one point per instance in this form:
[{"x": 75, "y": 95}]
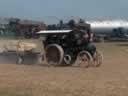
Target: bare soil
[{"x": 110, "y": 79}]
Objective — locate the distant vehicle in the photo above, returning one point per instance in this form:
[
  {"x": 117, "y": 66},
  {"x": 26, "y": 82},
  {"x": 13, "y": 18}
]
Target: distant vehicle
[{"x": 110, "y": 29}]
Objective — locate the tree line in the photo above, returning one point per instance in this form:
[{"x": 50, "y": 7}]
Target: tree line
[{"x": 61, "y": 25}]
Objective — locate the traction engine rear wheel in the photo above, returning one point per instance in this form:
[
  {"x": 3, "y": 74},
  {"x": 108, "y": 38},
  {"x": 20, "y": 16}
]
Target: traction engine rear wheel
[{"x": 54, "y": 54}]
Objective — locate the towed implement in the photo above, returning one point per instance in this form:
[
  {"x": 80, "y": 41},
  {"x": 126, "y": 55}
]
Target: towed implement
[{"x": 21, "y": 49}]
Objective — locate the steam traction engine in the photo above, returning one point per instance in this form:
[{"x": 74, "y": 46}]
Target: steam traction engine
[{"x": 67, "y": 47}]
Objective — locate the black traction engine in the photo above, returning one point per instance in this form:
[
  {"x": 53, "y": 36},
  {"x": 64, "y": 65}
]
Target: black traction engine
[{"x": 72, "y": 47}]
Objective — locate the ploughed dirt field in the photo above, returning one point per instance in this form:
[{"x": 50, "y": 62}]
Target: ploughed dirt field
[{"x": 110, "y": 79}]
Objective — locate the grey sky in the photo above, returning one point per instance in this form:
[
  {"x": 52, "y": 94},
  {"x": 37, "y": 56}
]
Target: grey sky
[{"x": 40, "y": 9}]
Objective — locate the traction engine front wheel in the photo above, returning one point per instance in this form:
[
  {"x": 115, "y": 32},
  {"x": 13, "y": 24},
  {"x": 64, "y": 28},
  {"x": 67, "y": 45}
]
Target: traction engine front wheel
[
  {"x": 97, "y": 59},
  {"x": 84, "y": 59}
]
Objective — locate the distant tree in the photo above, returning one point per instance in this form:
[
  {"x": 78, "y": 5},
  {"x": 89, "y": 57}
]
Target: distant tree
[
  {"x": 61, "y": 24},
  {"x": 48, "y": 27},
  {"x": 71, "y": 23},
  {"x": 81, "y": 21},
  {"x": 13, "y": 26},
  {"x": 52, "y": 27}
]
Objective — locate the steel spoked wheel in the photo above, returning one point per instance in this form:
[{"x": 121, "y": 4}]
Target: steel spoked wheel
[
  {"x": 54, "y": 54},
  {"x": 84, "y": 59},
  {"x": 97, "y": 59}
]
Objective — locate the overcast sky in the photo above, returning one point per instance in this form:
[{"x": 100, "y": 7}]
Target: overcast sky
[{"x": 44, "y": 9}]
